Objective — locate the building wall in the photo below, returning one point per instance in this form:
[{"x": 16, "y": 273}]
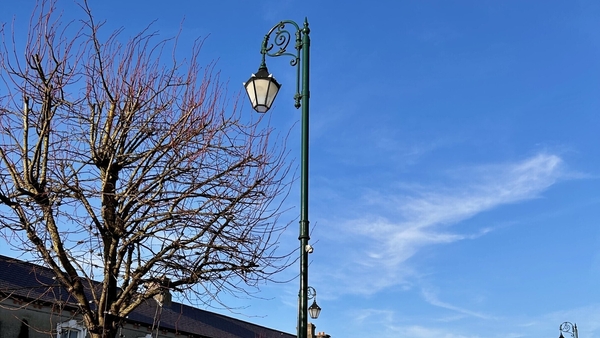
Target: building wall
[{"x": 22, "y": 320}]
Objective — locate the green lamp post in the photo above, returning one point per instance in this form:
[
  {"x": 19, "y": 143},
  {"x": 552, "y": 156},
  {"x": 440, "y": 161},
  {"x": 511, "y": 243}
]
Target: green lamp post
[{"x": 262, "y": 89}]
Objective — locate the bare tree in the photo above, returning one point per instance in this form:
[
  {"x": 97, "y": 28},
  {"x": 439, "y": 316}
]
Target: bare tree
[{"x": 120, "y": 163}]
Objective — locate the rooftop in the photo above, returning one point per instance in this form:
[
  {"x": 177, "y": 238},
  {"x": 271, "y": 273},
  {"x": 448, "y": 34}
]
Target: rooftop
[{"x": 27, "y": 281}]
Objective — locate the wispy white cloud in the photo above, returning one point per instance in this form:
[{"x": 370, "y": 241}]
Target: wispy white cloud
[
  {"x": 388, "y": 323},
  {"x": 381, "y": 316},
  {"x": 391, "y": 323},
  {"x": 432, "y": 298},
  {"x": 428, "y": 332},
  {"x": 395, "y": 226}
]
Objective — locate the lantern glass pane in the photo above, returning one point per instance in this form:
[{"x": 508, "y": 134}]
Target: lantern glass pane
[
  {"x": 251, "y": 91},
  {"x": 262, "y": 92},
  {"x": 272, "y": 93}
]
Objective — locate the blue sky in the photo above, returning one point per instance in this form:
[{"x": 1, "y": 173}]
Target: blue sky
[{"x": 455, "y": 157}]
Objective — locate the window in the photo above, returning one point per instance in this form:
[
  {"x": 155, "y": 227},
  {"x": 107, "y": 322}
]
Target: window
[
  {"x": 71, "y": 329},
  {"x": 69, "y": 333}
]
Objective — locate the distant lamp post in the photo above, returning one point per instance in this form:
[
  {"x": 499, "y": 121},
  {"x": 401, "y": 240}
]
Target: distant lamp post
[
  {"x": 567, "y": 327},
  {"x": 314, "y": 310},
  {"x": 262, "y": 89}
]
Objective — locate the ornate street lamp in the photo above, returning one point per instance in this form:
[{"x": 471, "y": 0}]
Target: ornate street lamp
[
  {"x": 314, "y": 310},
  {"x": 567, "y": 327},
  {"x": 262, "y": 89}
]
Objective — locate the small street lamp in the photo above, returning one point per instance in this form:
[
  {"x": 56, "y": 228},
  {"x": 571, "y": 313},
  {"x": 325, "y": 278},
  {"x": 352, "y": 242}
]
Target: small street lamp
[
  {"x": 314, "y": 310},
  {"x": 567, "y": 327},
  {"x": 262, "y": 89}
]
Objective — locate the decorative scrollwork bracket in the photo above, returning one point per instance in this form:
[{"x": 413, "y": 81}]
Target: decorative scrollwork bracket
[
  {"x": 568, "y": 327},
  {"x": 282, "y": 37}
]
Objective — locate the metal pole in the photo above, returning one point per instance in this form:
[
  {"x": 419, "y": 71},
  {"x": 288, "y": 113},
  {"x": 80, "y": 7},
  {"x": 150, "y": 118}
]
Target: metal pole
[
  {"x": 301, "y": 98},
  {"x": 304, "y": 224}
]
